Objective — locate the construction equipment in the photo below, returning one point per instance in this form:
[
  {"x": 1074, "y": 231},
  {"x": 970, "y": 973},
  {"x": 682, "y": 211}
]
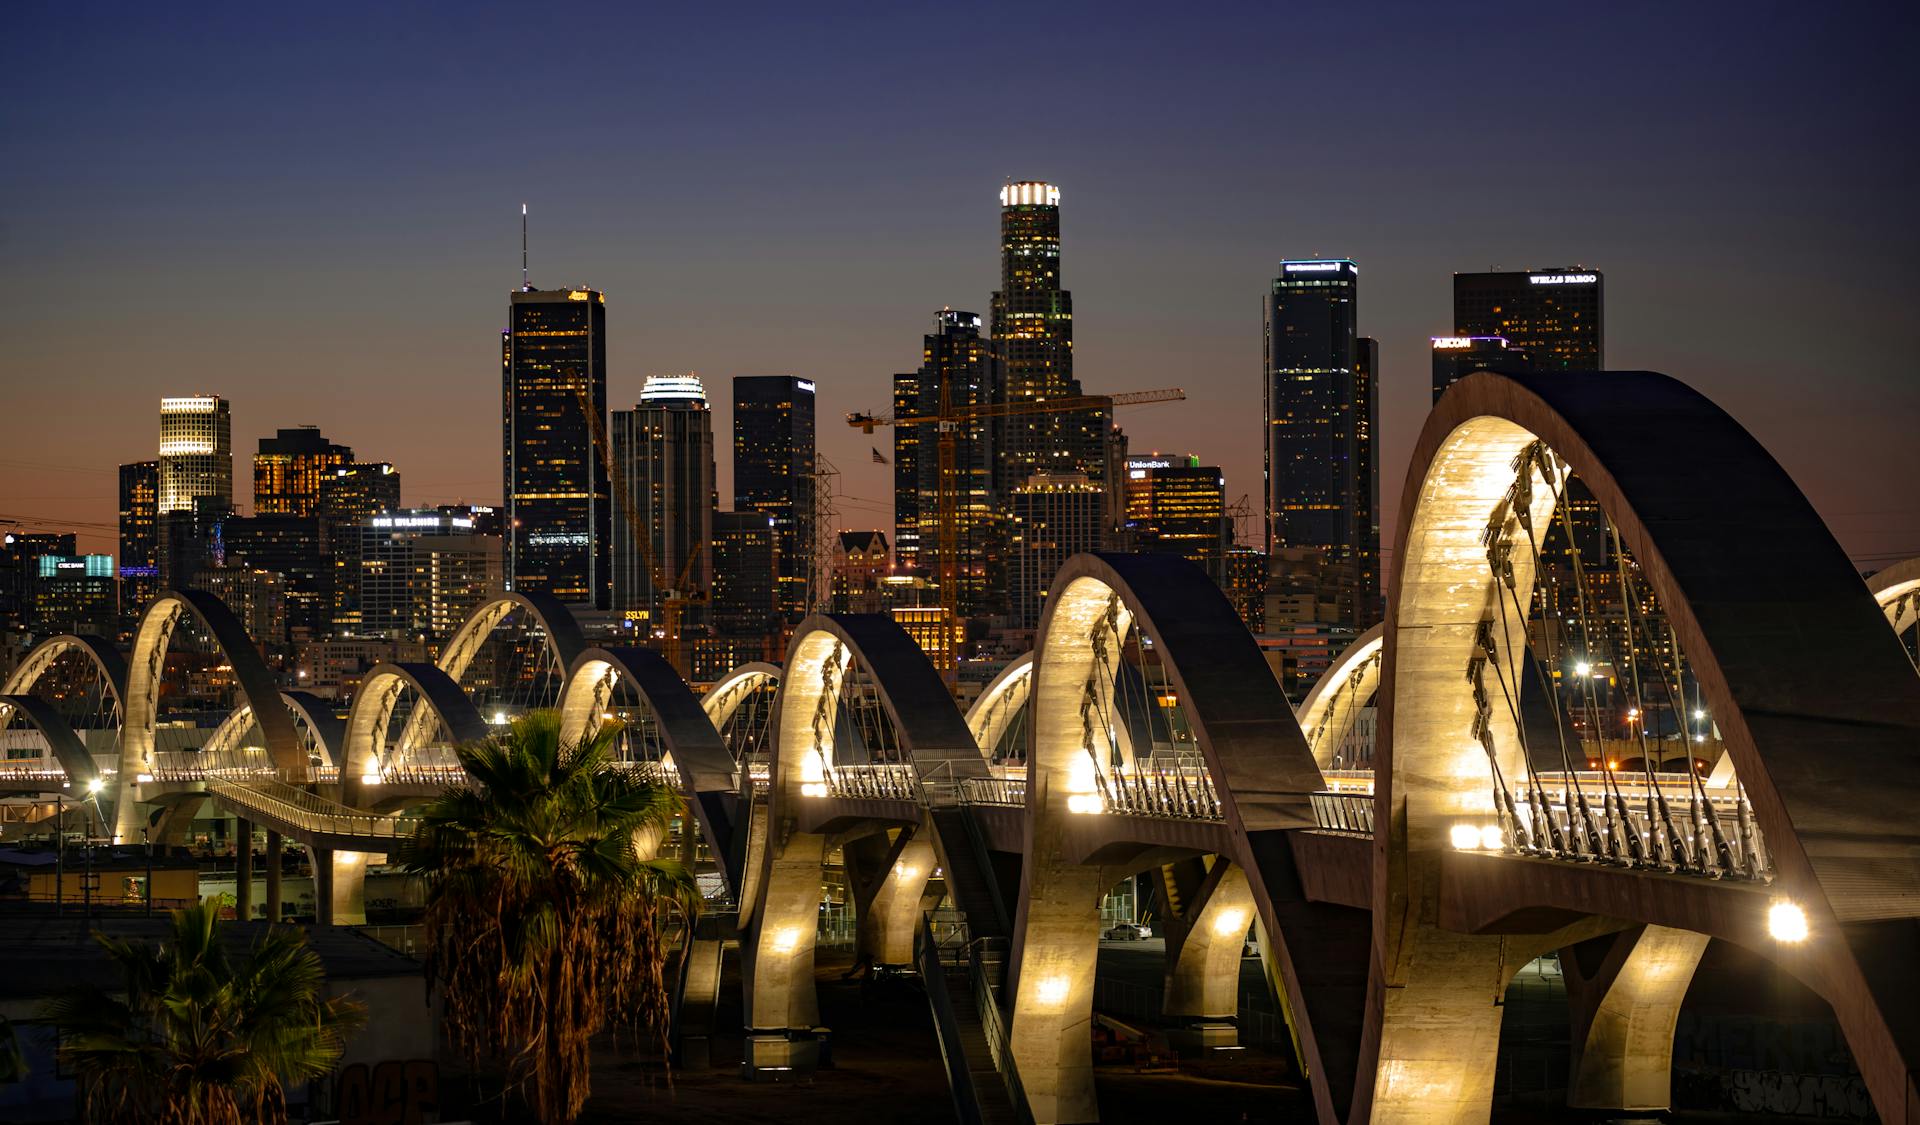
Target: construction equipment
[
  {"x": 673, "y": 598},
  {"x": 947, "y": 421}
]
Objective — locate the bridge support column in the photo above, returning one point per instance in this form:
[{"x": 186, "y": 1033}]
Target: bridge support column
[
  {"x": 243, "y": 870},
  {"x": 1624, "y": 1014},
  {"x": 1052, "y": 1034},
  {"x": 1203, "y": 963},
  {"x": 782, "y": 1006},
  {"x": 345, "y": 900},
  {"x": 276, "y": 849},
  {"x": 892, "y": 917},
  {"x": 322, "y": 884}
]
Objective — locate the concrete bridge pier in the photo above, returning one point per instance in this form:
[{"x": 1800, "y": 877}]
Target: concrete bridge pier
[
  {"x": 339, "y": 886},
  {"x": 1203, "y": 959},
  {"x": 896, "y": 882},
  {"x": 1626, "y": 992}
]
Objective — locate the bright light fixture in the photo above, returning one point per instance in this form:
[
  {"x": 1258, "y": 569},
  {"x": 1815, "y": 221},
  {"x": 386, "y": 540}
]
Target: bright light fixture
[
  {"x": 143, "y": 778},
  {"x": 1582, "y": 668},
  {"x": 1786, "y": 921},
  {"x": 813, "y": 789},
  {"x": 1052, "y": 991},
  {"x": 785, "y": 940},
  {"x": 1465, "y": 837},
  {"x": 1699, "y": 713},
  {"x": 1492, "y": 839},
  {"x": 1230, "y": 922},
  {"x": 370, "y": 779},
  {"x": 1085, "y": 803},
  {"x": 95, "y": 785},
  {"x": 499, "y": 718}
]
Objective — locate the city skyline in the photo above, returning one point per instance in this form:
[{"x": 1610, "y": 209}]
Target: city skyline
[{"x": 1165, "y": 295}]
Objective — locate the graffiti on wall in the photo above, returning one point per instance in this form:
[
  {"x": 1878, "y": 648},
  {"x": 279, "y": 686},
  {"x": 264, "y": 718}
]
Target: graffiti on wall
[{"x": 1749, "y": 1065}]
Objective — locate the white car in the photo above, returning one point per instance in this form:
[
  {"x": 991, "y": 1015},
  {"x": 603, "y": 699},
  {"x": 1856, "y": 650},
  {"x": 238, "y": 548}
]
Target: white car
[{"x": 1128, "y": 931}]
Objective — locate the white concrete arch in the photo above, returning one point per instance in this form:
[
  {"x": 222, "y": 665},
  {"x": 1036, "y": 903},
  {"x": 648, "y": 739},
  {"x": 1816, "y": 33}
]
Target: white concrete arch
[
  {"x": 1000, "y": 704},
  {"x": 565, "y": 642},
  {"x": 1897, "y": 589},
  {"x": 145, "y": 669},
  {"x": 727, "y": 693},
  {"x": 106, "y": 660},
  {"x": 1260, "y": 765},
  {"x": 364, "y": 743},
  {"x": 778, "y": 965},
  {"x": 1817, "y": 706},
  {"x": 1328, "y": 713},
  {"x": 68, "y": 748}
]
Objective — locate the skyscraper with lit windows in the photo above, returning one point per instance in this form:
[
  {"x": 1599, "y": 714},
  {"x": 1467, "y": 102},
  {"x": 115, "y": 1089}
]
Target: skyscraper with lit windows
[
  {"x": 1556, "y": 316},
  {"x": 1319, "y": 385},
  {"x": 288, "y": 469},
  {"x": 196, "y": 452},
  {"x": 773, "y": 472},
  {"x": 1032, "y": 326},
  {"x": 554, "y": 477},
  {"x": 663, "y": 453}
]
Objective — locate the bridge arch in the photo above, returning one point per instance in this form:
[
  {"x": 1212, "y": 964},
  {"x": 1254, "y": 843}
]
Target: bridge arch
[
  {"x": 106, "y": 660},
  {"x": 1331, "y": 709},
  {"x": 933, "y": 737},
  {"x": 1897, "y": 589},
  {"x": 1807, "y": 686},
  {"x": 68, "y": 748},
  {"x": 728, "y": 692},
  {"x": 994, "y": 713},
  {"x": 364, "y": 750},
  {"x": 565, "y": 641},
  {"x": 1260, "y": 765},
  {"x": 146, "y": 668}
]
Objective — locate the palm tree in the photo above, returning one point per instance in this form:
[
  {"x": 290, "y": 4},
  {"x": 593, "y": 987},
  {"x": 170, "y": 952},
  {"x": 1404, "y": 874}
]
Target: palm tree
[
  {"x": 194, "y": 1038},
  {"x": 543, "y": 917}
]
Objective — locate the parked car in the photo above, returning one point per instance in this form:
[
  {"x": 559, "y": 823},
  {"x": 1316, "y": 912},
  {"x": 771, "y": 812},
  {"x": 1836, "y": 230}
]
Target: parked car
[{"x": 1128, "y": 931}]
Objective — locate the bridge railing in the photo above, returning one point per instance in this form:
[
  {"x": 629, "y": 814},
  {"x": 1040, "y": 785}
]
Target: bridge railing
[
  {"x": 1343, "y": 811},
  {"x": 885, "y": 781},
  {"x": 1178, "y": 786},
  {"x": 308, "y": 811}
]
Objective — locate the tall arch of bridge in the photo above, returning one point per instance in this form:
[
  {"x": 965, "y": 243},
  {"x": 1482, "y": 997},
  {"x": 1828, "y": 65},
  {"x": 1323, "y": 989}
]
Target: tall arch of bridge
[
  {"x": 564, "y": 642},
  {"x": 804, "y": 819},
  {"x": 725, "y": 704},
  {"x": 1328, "y": 714},
  {"x": 106, "y": 660},
  {"x": 145, "y": 670},
  {"x": 1897, "y": 589},
  {"x": 1264, "y": 773},
  {"x": 702, "y": 769},
  {"x": 1814, "y": 701},
  {"x": 364, "y": 749},
  {"x": 1001, "y": 704}
]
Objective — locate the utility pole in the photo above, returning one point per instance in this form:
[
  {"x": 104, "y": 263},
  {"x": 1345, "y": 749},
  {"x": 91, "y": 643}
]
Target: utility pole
[{"x": 826, "y": 528}]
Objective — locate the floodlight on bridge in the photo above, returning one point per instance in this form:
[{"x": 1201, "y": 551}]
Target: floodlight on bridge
[
  {"x": 1786, "y": 921},
  {"x": 94, "y": 786},
  {"x": 1230, "y": 922}
]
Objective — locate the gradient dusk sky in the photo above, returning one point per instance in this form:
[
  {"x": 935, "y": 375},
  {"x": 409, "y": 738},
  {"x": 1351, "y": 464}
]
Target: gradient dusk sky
[{"x": 316, "y": 213}]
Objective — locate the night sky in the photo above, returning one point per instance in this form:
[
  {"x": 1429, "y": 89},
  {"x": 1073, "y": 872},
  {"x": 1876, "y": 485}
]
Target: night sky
[{"x": 317, "y": 215}]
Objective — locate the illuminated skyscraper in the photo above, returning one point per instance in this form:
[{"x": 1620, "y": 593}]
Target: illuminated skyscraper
[
  {"x": 663, "y": 453},
  {"x": 1055, "y": 517},
  {"x": 196, "y": 452},
  {"x": 289, "y": 468},
  {"x": 1176, "y": 505},
  {"x": 906, "y": 474},
  {"x": 1320, "y": 412},
  {"x": 553, "y": 400},
  {"x": 773, "y": 467},
  {"x": 1555, "y": 315},
  {"x": 956, "y": 370},
  {"x": 353, "y": 495},
  {"x": 139, "y": 537},
  {"x": 1033, "y": 341},
  {"x": 1456, "y": 357}
]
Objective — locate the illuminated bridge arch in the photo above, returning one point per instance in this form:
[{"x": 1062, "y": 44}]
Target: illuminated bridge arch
[
  {"x": 1897, "y": 589},
  {"x": 365, "y": 749},
  {"x": 106, "y": 660},
  {"x": 1812, "y": 698},
  {"x": 564, "y": 641},
  {"x": 997, "y": 715},
  {"x": 224, "y": 747},
  {"x": 146, "y": 668},
  {"x": 1331, "y": 710},
  {"x": 67, "y": 746},
  {"x": 1259, "y": 764},
  {"x": 934, "y": 742},
  {"x": 727, "y": 693}
]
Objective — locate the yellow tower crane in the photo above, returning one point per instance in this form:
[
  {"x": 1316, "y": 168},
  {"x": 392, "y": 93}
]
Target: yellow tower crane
[{"x": 947, "y": 421}]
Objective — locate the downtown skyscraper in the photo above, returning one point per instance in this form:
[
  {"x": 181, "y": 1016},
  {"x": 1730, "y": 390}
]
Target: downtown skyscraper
[
  {"x": 1557, "y": 316},
  {"x": 773, "y": 474},
  {"x": 663, "y": 465},
  {"x": 1322, "y": 481},
  {"x": 1032, "y": 328},
  {"x": 553, "y": 416},
  {"x": 956, "y": 373}
]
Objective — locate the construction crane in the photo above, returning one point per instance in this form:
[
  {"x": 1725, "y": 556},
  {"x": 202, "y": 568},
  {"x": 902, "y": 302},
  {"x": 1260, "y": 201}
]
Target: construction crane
[
  {"x": 674, "y": 598},
  {"x": 947, "y": 421}
]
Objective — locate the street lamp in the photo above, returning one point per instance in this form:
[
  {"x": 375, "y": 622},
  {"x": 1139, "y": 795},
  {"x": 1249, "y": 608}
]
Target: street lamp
[{"x": 94, "y": 785}]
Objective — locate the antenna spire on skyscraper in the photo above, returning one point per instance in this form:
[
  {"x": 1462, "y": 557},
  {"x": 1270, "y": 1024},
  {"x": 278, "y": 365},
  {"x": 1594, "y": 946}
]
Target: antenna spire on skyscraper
[{"x": 525, "y": 285}]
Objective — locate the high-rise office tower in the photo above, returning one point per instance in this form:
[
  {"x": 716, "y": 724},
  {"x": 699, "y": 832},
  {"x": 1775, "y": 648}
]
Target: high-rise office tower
[
  {"x": 73, "y": 594},
  {"x": 553, "y": 403},
  {"x": 1555, "y": 315},
  {"x": 746, "y": 552},
  {"x": 424, "y": 571},
  {"x": 1055, "y": 516},
  {"x": 139, "y": 538},
  {"x": 956, "y": 371},
  {"x": 20, "y": 552},
  {"x": 663, "y": 458},
  {"x": 288, "y": 469},
  {"x": 1456, "y": 357},
  {"x": 196, "y": 452},
  {"x": 352, "y": 495},
  {"x": 1033, "y": 341},
  {"x": 773, "y": 472},
  {"x": 1319, "y": 384},
  {"x": 906, "y": 473},
  {"x": 295, "y": 548},
  {"x": 1176, "y": 505}
]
